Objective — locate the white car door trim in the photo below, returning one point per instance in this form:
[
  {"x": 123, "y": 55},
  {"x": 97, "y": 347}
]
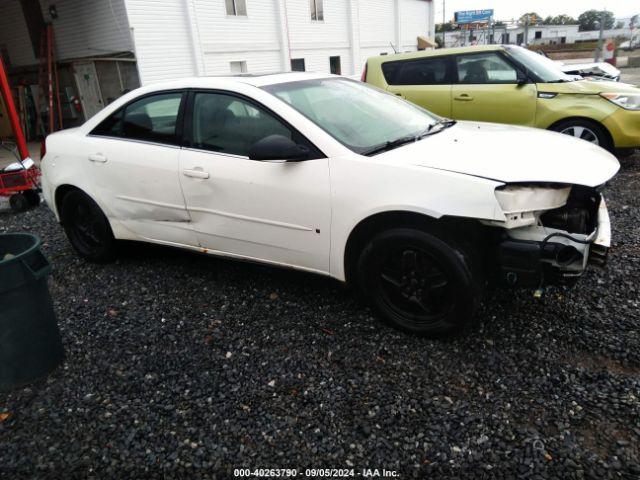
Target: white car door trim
[
  {"x": 150, "y": 202},
  {"x": 252, "y": 219}
]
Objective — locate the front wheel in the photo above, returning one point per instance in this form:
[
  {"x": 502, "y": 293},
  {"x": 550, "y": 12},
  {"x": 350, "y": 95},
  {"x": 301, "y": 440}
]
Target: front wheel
[
  {"x": 87, "y": 227},
  {"x": 418, "y": 282},
  {"x": 585, "y": 130}
]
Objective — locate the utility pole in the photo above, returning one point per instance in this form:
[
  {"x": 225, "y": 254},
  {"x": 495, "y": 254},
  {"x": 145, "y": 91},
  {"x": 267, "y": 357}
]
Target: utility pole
[
  {"x": 600, "y": 37},
  {"x": 444, "y": 16}
]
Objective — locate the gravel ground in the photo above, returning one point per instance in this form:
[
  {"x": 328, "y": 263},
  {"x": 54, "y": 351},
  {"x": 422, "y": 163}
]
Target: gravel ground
[{"x": 188, "y": 366}]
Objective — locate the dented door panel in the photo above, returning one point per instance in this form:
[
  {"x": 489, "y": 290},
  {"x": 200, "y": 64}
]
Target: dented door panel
[{"x": 139, "y": 182}]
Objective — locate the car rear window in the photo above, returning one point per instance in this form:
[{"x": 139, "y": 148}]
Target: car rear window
[{"x": 425, "y": 71}]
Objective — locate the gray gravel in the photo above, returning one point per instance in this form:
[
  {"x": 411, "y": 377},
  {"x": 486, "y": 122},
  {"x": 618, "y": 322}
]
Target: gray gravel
[{"x": 189, "y": 366}]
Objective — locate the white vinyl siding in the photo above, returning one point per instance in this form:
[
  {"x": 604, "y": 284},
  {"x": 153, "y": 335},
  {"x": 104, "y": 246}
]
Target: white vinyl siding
[
  {"x": 181, "y": 38},
  {"x": 415, "y": 22},
  {"x": 14, "y": 36},
  {"x": 164, "y": 46},
  {"x": 89, "y": 28}
]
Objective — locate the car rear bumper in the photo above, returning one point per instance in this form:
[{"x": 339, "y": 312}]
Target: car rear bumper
[{"x": 553, "y": 257}]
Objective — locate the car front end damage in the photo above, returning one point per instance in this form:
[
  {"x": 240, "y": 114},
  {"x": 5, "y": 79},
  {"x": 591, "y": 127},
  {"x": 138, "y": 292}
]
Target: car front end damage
[{"x": 551, "y": 233}]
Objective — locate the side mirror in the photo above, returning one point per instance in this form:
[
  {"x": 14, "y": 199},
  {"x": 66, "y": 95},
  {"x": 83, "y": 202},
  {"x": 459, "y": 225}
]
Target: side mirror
[
  {"x": 278, "y": 147},
  {"x": 521, "y": 78}
]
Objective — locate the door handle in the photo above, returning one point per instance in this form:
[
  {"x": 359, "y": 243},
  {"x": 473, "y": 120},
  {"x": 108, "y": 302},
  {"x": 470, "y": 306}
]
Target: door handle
[
  {"x": 97, "y": 157},
  {"x": 463, "y": 97},
  {"x": 196, "y": 173}
]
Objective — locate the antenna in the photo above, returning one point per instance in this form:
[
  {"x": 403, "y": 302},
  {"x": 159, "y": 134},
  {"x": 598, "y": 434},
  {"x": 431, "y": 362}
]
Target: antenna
[{"x": 394, "y": 48}]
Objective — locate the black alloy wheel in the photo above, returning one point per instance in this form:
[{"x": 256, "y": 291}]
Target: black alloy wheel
[
  {"x": 418, "y": 282},
  {"x": 87, "y": 227}
]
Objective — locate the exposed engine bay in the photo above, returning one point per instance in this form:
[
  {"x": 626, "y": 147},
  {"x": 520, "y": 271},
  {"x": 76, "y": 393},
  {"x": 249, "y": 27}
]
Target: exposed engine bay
[{"x": 558, "y": 246}]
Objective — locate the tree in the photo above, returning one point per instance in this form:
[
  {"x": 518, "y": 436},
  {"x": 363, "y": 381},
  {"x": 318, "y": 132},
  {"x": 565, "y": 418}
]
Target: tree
[
  {"x": 619, "y": 25},
  {"x": 448, "y": 27},
  {"x": 532, "y": 18},
  {"x": 590, "y": 20},
  {"x": 560, "y": 20}
]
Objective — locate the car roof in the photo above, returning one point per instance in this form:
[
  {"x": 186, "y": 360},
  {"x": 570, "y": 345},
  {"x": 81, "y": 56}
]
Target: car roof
[
  {"x": 434, "y": 53},
  {"x": 256, "y": 80}
]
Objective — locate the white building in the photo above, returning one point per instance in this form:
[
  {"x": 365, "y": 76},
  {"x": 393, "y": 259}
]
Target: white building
[{"x": 107, "y": 46}]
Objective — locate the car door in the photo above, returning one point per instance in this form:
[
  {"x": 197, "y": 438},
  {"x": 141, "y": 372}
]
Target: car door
[
  {"x": 133, "y": 159},
  {"x": 273, "y": 211},
  {"x": 425, "y": 82},
  {"x": 487, "y": 90}
]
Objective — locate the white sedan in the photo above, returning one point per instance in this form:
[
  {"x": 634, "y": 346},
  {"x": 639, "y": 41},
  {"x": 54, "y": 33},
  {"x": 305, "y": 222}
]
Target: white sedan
[{"x": 332, "y": 176}]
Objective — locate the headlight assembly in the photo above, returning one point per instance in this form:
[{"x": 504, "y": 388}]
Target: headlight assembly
[
  {"x": 531, "y": 198},
  {"x": 628, "y": 101}
]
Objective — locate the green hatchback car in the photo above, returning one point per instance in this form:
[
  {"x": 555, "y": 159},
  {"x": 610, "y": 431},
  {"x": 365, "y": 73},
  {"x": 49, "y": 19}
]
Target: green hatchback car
[{"x": 510, "y": 84}]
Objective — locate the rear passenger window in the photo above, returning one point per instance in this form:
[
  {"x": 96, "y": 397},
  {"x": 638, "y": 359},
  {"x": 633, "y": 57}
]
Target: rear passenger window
[
  {"x": 229, "y": 124},
  {"x": 426, "y": 71},
  {"x": 153, "y": 118}
]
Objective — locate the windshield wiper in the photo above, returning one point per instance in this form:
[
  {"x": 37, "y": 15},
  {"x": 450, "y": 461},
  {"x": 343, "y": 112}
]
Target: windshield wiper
[
  {"x": 443, "y": 123},
  {"x": 391, "y": 144}
]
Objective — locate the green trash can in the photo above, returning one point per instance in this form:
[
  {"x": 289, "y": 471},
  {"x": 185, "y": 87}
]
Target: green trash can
[{"x": 30, "y": 344}]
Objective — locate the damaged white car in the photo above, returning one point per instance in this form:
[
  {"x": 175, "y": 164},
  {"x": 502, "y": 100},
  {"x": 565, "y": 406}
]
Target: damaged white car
[{"x": 332, "y": 176}]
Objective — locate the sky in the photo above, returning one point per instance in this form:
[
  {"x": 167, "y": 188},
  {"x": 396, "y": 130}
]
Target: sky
[{"x": 507, "y": 9}]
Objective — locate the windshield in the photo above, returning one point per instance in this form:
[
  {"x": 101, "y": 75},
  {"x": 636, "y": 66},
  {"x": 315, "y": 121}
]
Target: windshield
[
  {"x": 544, "y": 68},
  {"x": 359, "y": 116}
]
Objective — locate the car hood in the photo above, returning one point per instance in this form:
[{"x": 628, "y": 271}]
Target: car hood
[
  {"x": 587, "y": 87},
  {"x": 602, "y": 66},
  {"x": 509, "y": 154}
]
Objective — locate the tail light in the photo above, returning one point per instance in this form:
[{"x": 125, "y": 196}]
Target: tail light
[{"x": 364, "y": 74}]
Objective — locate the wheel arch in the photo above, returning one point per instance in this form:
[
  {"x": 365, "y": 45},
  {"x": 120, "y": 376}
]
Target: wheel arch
[
  {"x": 60, "y": 192},
  {"x": 585, "y": 119},
  {"x": 381, "y": 221}
]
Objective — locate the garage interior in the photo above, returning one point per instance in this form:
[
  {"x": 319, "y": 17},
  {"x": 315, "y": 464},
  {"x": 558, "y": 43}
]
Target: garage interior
[{"x": 60, "y": 47}]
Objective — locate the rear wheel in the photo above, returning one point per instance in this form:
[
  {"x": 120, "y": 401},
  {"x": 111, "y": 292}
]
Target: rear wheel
[
  {"x": 418, "y": 282},
  {"x": 87, "y": 227},
  {"x": 33, "y": 197},
  {"x": 18, "y": 202},
  {"x": 585, "y": 130}
]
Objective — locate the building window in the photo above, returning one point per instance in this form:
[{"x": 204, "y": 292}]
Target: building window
[
  {"x": 236, "y": 7},
  {"x": 539, "y": 34},
  {"x": 317, "y": 10},
  {"x": 297, "y": 65},
  {"x": 334, "y": 65},
  {"x": 238, "y": 67}
]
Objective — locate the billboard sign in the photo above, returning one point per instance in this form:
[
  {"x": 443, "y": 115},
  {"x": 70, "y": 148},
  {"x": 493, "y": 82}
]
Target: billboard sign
[{"x": 474, "y": 16}]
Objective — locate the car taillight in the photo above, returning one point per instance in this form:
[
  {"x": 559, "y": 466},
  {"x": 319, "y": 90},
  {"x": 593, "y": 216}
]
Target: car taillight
[{"x": 364, "y": 74}]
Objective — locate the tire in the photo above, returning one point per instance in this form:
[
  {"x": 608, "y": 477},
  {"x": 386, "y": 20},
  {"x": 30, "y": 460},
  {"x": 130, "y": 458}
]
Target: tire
[
  {"x": 418, "y": 282},
  {"x": 33, "y": 197},
  {"x": 585, "y": 130},
  {"x": 626, "y": 152},
  {"x": 19, "y": 202},
  {"x": 87, "y": 228}
]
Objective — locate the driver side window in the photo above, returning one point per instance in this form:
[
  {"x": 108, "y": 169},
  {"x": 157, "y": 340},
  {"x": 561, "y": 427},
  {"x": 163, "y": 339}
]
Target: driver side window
[
  {"x": 485, "y": 68},
  {"x": 230, "y": 124}
]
